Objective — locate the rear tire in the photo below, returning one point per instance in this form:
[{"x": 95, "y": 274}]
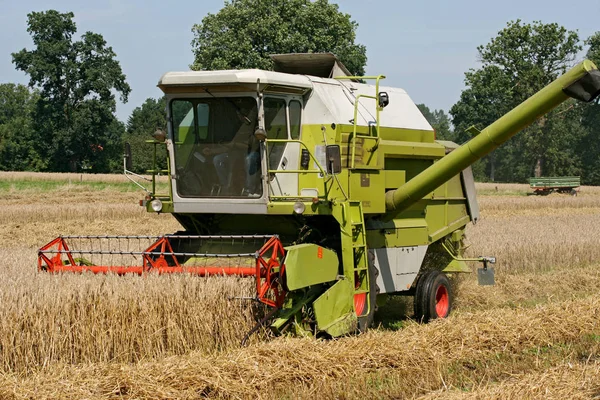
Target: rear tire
[{"x": 433, "y": 296}]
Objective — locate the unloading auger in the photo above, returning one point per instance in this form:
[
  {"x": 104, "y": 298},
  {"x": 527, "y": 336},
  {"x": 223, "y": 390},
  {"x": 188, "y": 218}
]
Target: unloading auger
[{"x": 330, "y": 192}]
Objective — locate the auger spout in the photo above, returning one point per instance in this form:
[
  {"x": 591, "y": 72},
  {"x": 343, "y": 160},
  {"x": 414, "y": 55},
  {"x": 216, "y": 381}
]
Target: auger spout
[{"x": 582, "y": 82}]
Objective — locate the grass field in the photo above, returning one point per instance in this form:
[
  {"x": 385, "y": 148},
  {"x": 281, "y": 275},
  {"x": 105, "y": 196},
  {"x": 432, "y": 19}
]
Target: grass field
[{"x": 536, "y": 334}]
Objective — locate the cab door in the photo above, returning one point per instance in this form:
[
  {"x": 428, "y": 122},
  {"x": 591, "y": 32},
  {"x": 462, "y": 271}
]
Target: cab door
[{"x": 283, "y": 116}]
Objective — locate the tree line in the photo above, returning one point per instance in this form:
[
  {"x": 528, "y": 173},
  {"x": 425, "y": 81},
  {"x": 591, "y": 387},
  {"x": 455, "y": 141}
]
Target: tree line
[{"x": 64, "y": 120}]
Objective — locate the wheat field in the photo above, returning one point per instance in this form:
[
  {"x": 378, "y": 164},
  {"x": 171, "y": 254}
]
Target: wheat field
[{"x": 535, "y": 334}]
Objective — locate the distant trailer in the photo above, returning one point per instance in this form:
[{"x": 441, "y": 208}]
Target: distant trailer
[{"x": 560, "y": 184}]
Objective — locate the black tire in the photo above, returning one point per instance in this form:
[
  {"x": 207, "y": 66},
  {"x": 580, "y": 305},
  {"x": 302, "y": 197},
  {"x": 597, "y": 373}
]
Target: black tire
[
  {"x": 366, "y": 321},
  {"x": 433, "y": 296},
  {"x": 418, "y": 296}
]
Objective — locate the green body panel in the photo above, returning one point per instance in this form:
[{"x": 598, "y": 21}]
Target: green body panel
[
  {"x": 361, "y": 153},
  {"x": 334, "y": 312},
  {"x": 402, "y": 149},
  {"x": 308, "y": 264},
  {"x": 394, "y": 178},
  {"x": 313, "y": 136},
  {"x": 457, "y": 266},
  {"x": 445, "y": 230},
  {"x": 395, "y": 134},
  {"x": 368, "y": 186},
  {"x": 397, "y": 233}
]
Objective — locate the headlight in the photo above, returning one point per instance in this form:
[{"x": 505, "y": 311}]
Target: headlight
[
  {"x": 156, "y": 205},
  {"x": 299, "y": 207}
]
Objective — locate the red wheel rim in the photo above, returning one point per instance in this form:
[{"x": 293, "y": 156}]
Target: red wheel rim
[
  {"x": 360, "y": 300},
  {"x": 442, "y": 301}
]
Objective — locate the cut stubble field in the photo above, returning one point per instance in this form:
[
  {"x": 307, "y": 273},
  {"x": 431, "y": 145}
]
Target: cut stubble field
[{"x": 536, "y": 334}]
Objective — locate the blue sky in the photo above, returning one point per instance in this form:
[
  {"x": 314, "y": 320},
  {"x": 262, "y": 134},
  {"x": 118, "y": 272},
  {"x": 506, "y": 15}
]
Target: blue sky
[{"x": 422, "y": 46}]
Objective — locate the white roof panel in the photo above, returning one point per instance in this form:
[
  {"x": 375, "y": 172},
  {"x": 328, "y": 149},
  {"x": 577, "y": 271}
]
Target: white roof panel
[
  {"x": 333, "y": 101},
  {"x": 245, "y": 76}
]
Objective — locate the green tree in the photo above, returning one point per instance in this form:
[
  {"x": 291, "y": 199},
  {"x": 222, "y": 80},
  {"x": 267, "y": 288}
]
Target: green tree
[
  {"x": 17, "y": 105},
  {"x": 142, "y": 122},
  {"x": 590, "y": 146},
  {"x": 519, "y": 61},
  {"x": 593, "y": 52},
  {"x": 245, "y": 32},
  {"x": 74, "y": 119},
  {"x": 439, "y": 120}
]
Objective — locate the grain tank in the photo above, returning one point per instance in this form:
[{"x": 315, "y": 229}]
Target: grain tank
[{"x": 330, "y": 190}]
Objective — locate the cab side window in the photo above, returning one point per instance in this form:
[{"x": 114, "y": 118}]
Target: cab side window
[
  {"x": 276, "y": 127},
  {"x": 295, "y": 109}
]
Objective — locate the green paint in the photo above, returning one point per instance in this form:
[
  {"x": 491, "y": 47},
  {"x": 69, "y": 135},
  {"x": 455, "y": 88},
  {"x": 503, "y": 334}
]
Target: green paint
[
  {"x": 397, "y": 233},
  {"x": 308, "y": 264},
  {"x": 334, "y": 310},
  {"x": 378, "y": 109},
  {"x": 350, "y": 216},
  {"x": 293, "y": 305},
  {"x": 457, "y": 266}
]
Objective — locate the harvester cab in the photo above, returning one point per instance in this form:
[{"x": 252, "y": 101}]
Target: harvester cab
[{"x": 330, "y": 190}]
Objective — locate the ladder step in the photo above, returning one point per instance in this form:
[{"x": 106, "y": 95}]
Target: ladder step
[
  {"x": 361, "y": 268},
  {"x": 361, "y": 291},
  {"x": 358, "y": 246}
]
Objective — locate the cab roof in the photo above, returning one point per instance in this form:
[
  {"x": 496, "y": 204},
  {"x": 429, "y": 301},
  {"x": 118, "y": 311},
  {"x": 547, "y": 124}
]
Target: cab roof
[{"x": 233, "y": 77}]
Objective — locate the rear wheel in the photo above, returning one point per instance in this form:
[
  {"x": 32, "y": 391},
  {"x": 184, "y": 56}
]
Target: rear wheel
[{"x": 433, "y": 296}]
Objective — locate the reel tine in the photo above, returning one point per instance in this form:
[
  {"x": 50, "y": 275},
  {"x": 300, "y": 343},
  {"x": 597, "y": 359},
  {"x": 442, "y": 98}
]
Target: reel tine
[{"x": 209, "y": 255}]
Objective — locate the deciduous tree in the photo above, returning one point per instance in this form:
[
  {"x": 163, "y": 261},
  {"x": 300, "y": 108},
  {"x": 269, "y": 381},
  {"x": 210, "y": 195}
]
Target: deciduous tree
[
  {"x": 589, "y": 148},
  {"x": 144, "y": 121},
  {"x": 439, "y": 120},
  {"x": 17, "y": 105},
  {"x": 518, "y": 62},
  {"x": 74, "y": 118},
  {"x": 245, "y": 32}
]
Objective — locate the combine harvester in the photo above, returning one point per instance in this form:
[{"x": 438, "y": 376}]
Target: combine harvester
[{"x": 332, "y": 193}]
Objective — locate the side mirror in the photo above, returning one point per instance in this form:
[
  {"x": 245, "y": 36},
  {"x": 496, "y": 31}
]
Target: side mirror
[
  {"x": 383, "y": 99},
  {"x": 260, "y": 134},
  {"x": 159, "y": 135},
  {"x": 334, "y": 159},
  {"x": 127, "y": 160}
]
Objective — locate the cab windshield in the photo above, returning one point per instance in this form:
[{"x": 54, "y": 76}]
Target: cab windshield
[{"x": 216, "y": 153}]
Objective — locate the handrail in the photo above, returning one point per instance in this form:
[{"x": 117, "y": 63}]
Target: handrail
[
  {"x": 378, "y": 109},
  {"x": 154, "y": 171},
  {"x": 321, "y": 170}
]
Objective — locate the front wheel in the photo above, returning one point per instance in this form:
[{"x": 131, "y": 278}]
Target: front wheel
[{"x": 433, "y": 296}]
